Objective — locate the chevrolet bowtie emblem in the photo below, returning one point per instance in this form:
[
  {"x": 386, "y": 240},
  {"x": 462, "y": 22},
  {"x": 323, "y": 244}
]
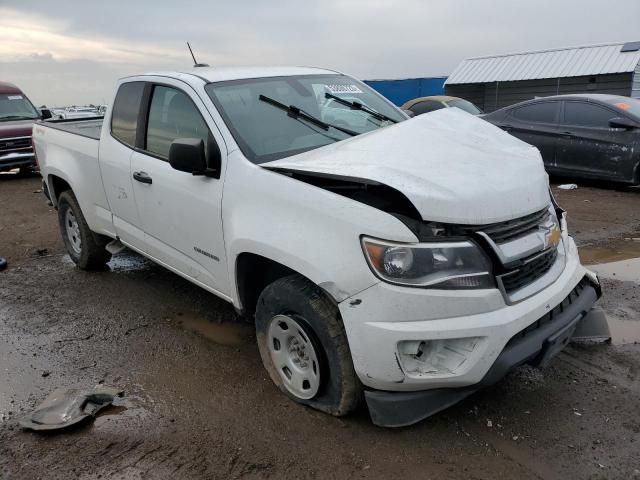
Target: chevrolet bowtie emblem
[{"x": 552, "y": 238}]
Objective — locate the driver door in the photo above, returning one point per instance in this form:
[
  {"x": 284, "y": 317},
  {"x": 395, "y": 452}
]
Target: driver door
[{"x": 179, "y": 212}]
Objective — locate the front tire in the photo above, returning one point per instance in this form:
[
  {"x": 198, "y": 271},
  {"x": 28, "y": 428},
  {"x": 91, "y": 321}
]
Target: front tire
[
  {"x": 304, "y": 347},
  {"x": 85, "y": 248}
]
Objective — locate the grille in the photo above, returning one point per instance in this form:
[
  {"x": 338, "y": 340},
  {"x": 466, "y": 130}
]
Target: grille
[
  {"x": 505, "y": 231},
  {"x": 530, "y": 271},
  {"x": 8, "y": 145},
  {"x": 549, "y": 316}
]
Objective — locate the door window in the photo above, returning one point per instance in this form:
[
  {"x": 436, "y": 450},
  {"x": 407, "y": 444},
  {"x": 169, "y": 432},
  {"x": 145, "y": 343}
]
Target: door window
[
  {"x": 543, "y": 112},
  {"x": 587, "y": 115},
  {"x": 173, "y": 115},
  {"x": 126, "y": 106}
]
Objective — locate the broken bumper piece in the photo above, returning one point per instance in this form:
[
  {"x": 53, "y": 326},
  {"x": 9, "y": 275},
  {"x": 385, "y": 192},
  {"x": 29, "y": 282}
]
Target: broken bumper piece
[
  {"x": 535, "y": 346},
  {"x": 65, "y": 407}
]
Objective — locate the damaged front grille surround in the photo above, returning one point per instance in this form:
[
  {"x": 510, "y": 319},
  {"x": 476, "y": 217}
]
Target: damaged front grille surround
[
  {"x": 518, "y": 271},
  {"x": 502, "y": 232},
  {"x": 532, "y": 269}
]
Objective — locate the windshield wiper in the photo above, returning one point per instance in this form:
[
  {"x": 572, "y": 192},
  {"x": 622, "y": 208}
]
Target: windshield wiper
[
  {"x": 360, "y": 106},
  {"x": 298, "y": 113}
]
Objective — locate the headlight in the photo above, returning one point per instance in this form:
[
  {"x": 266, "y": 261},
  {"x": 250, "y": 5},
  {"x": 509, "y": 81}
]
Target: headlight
[{"x": 449, "y": 265}]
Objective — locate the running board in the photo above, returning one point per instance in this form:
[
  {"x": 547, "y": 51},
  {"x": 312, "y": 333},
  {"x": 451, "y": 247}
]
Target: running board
[{"x": 115, "y": 246}]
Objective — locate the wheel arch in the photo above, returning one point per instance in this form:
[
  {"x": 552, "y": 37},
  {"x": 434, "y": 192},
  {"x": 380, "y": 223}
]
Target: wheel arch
[
  {"x": 253, "y": 272},
  {"x": 57, "y": 185}
]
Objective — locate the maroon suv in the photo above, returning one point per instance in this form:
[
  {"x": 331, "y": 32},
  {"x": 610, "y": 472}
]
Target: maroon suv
[{"x": 17, "y": 115}]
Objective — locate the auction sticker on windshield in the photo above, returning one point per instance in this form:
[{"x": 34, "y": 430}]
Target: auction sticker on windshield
[
  {"x": 343, "y": 89},
  {"x": 15, "y": 97}
]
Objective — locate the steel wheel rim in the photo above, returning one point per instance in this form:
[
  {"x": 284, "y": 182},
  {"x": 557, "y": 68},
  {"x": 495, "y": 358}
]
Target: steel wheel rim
[
  {"x": 294, "y": 357},
  {"x": 73, "y": 232}
]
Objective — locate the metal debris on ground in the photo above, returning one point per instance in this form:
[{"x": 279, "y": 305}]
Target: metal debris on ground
[
  {"x": 568, "y": 186},
  {"x": 65, "y": 407}
]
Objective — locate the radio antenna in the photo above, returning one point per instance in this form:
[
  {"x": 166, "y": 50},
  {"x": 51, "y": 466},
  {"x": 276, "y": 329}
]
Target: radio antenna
[{"x": 195, "y": 62}]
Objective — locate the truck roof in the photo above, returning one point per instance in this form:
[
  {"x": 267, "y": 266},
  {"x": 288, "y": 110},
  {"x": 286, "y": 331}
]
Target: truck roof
[
  {"x": 221, "y": 74},
  {"x": 6, "y": 87}
]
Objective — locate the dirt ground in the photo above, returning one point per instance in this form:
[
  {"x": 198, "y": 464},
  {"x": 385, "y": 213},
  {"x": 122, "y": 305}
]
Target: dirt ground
[{"x": 198, "y": 403}]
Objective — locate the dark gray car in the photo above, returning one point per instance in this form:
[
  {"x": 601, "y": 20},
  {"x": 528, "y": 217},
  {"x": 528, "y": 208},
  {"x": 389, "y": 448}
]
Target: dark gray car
[{"x": 590, "y": 136}]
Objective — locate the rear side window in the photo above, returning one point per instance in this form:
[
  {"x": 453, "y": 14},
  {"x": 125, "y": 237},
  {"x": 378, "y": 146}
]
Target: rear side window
[
  {"x": 424, "y": 107},
  {"x": 543, "y": 112},
  {"x": 587, "y": 115},
  {"x": 173, "y": 115},
  {"x": 124, "y": 119}
]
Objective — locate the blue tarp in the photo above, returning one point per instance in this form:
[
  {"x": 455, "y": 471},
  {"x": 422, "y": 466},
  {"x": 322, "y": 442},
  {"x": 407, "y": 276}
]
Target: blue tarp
[{"x": 399, "y": 91}]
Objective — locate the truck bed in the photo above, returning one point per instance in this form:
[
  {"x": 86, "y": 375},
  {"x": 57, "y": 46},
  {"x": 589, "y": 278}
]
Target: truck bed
[{"x": 86, "y": 127}]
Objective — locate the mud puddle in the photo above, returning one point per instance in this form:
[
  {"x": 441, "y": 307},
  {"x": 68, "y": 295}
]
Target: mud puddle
[
  {"x": 228, "y": 333},
  {"x": 618, "y": 260},
  {"x": 126, "y": 261},
  {"x": 616, "y": 251},
  {"x": 624, "y": 331}
]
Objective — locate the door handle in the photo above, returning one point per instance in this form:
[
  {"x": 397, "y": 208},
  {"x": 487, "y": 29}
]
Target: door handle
[
  {"x": 567, "y": 134},
  {"x": 507, "y": 128},
  {"x": 142, "y": 177}
]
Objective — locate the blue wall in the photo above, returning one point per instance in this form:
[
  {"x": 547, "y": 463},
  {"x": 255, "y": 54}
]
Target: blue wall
[{"x": 399, "y": 91}]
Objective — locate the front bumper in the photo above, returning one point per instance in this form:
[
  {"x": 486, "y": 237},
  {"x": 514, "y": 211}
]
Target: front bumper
[
  {"x": 475, "y": 326},
  {"x": 534, "y": 345},
  {"x": 10, "y": 161}
]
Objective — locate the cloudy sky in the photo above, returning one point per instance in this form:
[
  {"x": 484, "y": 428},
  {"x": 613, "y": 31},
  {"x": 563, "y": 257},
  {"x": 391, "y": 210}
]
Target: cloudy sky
[{"x": 71, "y": 51}]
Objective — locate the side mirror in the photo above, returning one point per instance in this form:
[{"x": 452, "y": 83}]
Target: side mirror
[
  {"x": 46, "y": 114},
  {"x": 622, "y": 122},
  {"x": 188, "y": 155}
]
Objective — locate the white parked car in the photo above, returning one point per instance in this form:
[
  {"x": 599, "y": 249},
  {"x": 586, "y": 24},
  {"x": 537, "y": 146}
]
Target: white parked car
[{"x": 406, "y": 262}]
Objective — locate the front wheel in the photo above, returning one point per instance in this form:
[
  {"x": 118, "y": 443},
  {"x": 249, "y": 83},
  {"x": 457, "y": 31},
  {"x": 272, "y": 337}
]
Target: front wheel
[
  {"x": 304, "y": 347},
  {"x": 85, "y": 248}
]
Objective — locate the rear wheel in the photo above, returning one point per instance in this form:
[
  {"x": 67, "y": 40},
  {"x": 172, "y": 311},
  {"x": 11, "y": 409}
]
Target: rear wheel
[
  {"x": 85, "y": 248},
  {"x": 304, "y": 347}
]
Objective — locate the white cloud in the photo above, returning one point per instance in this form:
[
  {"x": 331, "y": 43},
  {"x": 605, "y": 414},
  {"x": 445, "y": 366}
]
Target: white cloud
[
  {"x": 25, "y": 35},
  {"x": 72, "y": 51}
]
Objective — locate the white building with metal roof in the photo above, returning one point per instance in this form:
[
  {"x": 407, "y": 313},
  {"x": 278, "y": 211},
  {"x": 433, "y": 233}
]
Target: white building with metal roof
[{"x": 497, "y": 81}]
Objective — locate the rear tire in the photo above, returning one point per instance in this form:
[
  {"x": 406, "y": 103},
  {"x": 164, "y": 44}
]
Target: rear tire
[
  {"x": 301, "y": 339},
  {"x": 85, "y": 248}
]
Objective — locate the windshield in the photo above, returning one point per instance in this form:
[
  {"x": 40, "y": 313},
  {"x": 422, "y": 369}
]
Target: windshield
[
  {"x": 464, "y": 105},
  {"x": 628, "y": 105},
  {"x": 15, "y": 106},
  {"x": 265, "y": 133}
]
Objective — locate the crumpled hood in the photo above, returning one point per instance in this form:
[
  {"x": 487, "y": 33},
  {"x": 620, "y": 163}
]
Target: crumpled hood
[{"x": 452, "y": 166}]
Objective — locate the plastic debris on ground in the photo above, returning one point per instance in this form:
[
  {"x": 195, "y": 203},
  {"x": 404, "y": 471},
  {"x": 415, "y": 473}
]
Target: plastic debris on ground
[
  {"x": 568, "y": 186},
  {"x": 65, "y": 407}
]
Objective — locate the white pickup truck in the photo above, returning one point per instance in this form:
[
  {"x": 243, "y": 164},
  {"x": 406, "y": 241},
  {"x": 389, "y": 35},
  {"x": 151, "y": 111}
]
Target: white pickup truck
[{"x": 406, "y": 262}]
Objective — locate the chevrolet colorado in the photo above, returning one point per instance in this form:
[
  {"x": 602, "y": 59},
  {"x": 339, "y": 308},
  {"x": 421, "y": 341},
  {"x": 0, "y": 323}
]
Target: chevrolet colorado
[{"x": 406, "y": 262}]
